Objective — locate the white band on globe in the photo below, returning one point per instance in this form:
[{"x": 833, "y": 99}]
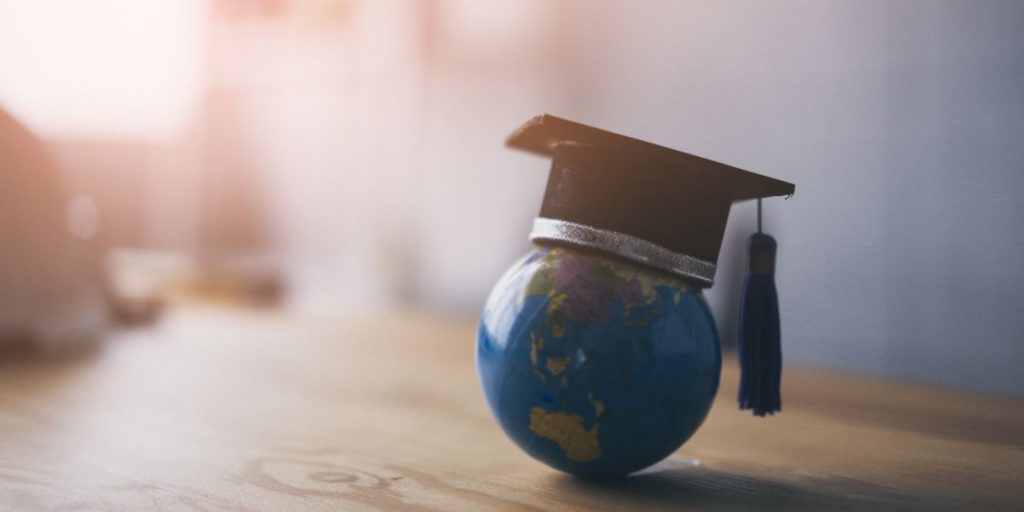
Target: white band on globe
[{"x": 625, "y": 246}]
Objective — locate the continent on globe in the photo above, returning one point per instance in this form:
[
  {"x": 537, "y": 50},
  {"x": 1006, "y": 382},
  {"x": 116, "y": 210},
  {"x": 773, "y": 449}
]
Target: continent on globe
[
  {"x": 595, "y": 365},
  {"x": 578, "y": 443}
]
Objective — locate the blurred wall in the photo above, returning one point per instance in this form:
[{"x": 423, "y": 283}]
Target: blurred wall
[
  {"x": 361, "y": 142},
  {"x": 901, "y": 123}
]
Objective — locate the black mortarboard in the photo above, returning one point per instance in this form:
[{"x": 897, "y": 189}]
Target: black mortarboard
[{"x": 634, "y": 199}]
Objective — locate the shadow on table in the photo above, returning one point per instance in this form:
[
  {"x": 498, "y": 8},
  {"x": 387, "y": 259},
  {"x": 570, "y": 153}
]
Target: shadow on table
[{"x": 680, "y": 483}]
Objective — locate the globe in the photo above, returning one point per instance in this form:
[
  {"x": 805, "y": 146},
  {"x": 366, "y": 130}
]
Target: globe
[{"x": 595, "y": 366}]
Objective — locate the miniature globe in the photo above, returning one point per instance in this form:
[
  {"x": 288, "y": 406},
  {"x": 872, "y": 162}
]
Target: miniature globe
[{"x": 595, "y": 366}]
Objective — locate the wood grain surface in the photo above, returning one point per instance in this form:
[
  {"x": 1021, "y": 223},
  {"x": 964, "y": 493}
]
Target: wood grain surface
[{"x": 230, "y": 410}]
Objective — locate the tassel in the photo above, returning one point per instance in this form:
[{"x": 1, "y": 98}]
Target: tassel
[{"x": 760, "y": 348}]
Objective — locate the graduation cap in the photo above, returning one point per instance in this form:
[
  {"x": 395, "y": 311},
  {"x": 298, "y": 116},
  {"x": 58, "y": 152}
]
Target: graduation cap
[
  {"x": 636, "y": 200},
  {"x": 665, "y": 209}
]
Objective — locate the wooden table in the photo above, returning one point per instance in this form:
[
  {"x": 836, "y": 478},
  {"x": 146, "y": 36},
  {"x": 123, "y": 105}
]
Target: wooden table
[{"x": 230, "y": 410}]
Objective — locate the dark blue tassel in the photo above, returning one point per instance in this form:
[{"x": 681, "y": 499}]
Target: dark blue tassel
[{"x": 760, "y": 347}]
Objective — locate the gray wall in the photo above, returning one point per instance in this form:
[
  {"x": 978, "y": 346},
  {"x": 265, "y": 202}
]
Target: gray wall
[{"x": 902, "y": 125}]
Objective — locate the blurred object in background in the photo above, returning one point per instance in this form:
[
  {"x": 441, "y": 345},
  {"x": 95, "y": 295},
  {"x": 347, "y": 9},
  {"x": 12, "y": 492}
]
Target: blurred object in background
[
  {"x": 50, "y": 294},
  {"x": 141, "y": 283},
  {"x": 354, "y": 148},
  {"x": 118, "y": 91}
]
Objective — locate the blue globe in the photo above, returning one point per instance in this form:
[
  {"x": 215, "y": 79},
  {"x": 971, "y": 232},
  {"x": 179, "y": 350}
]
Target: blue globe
[{"x": 595, "y": 366}]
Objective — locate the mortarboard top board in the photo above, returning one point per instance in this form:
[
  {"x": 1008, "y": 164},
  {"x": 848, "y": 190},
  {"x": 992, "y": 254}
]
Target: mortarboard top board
[{"x": 636, "y": 200}]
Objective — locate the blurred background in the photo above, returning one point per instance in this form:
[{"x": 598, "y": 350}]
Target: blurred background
[{"x": 347, "y": 156}]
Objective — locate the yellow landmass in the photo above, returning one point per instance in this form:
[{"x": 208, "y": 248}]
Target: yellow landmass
[
  {"x": 647, "y": 286},
  {"x": 598, "y": 405},
  {"x": 578, "y": 443},
  {"x": 535, "y": 345},
  {"x": 557, "y": 365},
  {"x": 554, "y": 314}
]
